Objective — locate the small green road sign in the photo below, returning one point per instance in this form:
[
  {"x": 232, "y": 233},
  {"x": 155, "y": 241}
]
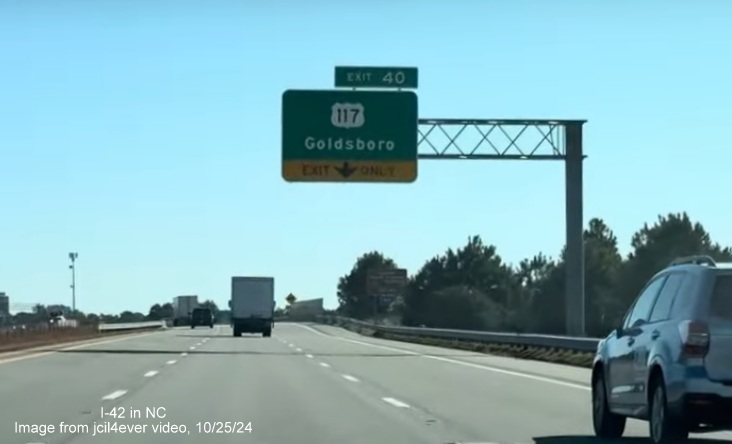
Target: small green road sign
[
  {"x": 349, "y": 136},
  {"x": 376, "y": 77}
]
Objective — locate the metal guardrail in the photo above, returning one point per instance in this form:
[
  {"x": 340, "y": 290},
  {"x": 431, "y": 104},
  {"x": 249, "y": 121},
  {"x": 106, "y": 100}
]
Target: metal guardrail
[
  {"x": 132, "y": 325},
  {"x": 529, "y": 340}
]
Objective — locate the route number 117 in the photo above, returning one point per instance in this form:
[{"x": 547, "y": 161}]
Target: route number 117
[{"x": 347, "y": 115}]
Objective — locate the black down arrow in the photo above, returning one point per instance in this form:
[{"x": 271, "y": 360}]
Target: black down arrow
[{"x": 346, "y": 170}]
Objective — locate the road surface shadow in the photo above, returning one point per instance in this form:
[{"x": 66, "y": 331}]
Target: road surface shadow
[
  {"x": 217, "y": 336},
  {"x": 386, "y": 355},
  {"x": 232, "y": 352},
  {"x": 595, "y": 440},
  {"x": 176, "y": 352}
]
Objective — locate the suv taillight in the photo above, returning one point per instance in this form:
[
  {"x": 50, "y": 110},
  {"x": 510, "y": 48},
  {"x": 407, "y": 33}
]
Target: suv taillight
[{"x": 695, "y": 338}]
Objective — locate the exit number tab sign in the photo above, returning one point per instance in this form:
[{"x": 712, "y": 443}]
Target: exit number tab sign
[{"x": 376, "y": 77}]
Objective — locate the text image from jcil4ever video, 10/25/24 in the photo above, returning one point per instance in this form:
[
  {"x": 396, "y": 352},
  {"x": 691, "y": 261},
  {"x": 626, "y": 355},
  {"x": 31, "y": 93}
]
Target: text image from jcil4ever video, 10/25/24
[{"x": 133, "y": 421}]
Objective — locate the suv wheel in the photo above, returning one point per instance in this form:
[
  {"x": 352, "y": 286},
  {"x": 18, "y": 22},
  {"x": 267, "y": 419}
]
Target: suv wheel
[
  {"x": 607, "y": 424},
  {"x": 663, "y": 428}
]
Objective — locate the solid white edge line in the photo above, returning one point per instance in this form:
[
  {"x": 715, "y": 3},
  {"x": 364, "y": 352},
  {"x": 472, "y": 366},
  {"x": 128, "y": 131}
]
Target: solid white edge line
[
  {"x": 150, "y": 374},
  {"x": 396, "y": 403},
  {"x": 454, "y": 361},
  {"x": 114, "y": 395}
]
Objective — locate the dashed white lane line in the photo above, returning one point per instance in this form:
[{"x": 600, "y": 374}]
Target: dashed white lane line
[
  {"x": 184, "y": 354},
  {"x": 350, "y": 378},
  {"x": 151, "y": 373},
  {"x": 454, "y": 361},
  {"x": 396, "y": 403},
  {"x": 171, "y": 362},
  {"x": 291, "y": 345},
  {"x": 324, "y": 364},
  {"x": 199, "y": 344},
  {"x": 191, "y": 348},
  {"x": 299, "y": 350},
  {"x": 309, "y": 356},
  {"x": 114, "y": 395}
]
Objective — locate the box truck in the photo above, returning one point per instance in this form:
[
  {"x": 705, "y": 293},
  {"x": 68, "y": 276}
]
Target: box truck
[
  {"x": 252, "y": 305},
  {"x": 182, "y": 308}
]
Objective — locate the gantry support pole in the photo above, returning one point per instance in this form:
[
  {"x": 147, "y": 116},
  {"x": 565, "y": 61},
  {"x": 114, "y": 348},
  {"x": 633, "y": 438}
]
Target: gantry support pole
[{"x": 549, "y": 147}]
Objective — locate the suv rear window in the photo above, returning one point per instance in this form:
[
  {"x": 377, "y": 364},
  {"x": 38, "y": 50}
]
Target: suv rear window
[{"x": 722, "y": 297}]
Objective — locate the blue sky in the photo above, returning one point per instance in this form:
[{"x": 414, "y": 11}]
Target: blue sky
[{"x": 145, "y": 135}]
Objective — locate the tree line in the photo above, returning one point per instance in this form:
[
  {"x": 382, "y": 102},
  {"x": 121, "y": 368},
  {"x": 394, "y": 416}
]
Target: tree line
[
  {"x": 473, "y": 288},
  {"x": 157, "y": 312}
]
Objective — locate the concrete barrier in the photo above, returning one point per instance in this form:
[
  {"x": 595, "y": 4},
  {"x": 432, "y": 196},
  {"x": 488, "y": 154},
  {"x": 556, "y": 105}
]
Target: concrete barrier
[{"x": 132, "y": 326}]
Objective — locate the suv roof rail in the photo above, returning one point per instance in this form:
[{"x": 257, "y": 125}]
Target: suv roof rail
[{"x": 697, "y": 260}]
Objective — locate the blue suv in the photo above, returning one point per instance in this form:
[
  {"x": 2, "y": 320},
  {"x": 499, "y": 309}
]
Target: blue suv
[{"x": 670, "y": 362}]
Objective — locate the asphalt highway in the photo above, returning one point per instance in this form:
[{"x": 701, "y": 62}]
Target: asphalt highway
[{"x": 307, "y": 384}]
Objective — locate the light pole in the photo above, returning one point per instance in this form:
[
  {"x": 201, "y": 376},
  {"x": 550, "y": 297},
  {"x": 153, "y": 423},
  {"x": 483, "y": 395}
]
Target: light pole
[{"x": 73, "y": 257}]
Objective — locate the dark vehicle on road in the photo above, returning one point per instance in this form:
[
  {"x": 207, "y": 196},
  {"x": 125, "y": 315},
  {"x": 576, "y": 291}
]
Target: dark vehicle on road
[
  {"x": 670, "y": 362},
  {"x": 203, "y": 317}
]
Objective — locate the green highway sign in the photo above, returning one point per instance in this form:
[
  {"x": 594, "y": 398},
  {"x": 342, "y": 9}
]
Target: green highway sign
[
  {"x": 375, "y": 77},
  {"x": 349, "y": 136}
]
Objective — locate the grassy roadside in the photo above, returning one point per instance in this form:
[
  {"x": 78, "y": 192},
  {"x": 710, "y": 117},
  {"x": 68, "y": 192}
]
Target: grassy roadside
[
  {"x": 59, "y": 337},
  {"x": 557, "y": 356}
]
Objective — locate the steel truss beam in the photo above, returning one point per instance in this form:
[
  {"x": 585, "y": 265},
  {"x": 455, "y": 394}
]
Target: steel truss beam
[
  {"x": 482, "y": 139},
  {"x": 494, "y": 139}
]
